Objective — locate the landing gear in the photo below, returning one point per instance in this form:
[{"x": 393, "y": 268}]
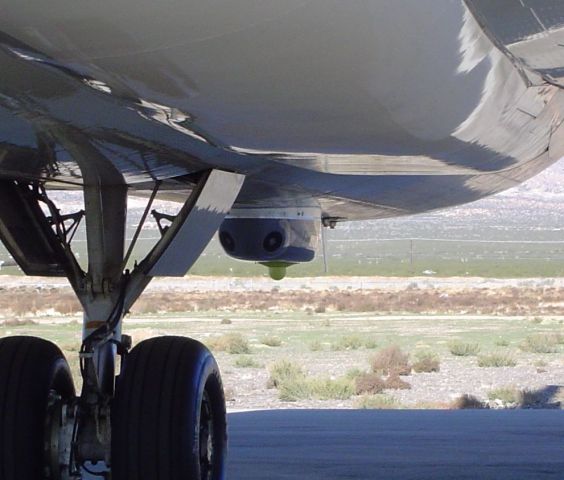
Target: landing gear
[
  {"x": 34, "y": 378},
  {"x": 165, "y": 417},
  {"x": 168, "y": 415}
]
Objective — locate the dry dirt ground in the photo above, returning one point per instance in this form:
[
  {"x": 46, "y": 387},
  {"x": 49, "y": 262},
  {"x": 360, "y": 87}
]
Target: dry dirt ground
[{"x": 331, "y": 326}]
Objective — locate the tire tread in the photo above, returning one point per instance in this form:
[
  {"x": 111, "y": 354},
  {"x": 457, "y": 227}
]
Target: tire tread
[{"x": 149, "y": 414}]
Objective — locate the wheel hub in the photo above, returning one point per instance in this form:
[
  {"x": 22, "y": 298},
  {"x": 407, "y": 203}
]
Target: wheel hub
[
  {"x": 206, "y": 438},
  {"x": 59, "y": 433}
]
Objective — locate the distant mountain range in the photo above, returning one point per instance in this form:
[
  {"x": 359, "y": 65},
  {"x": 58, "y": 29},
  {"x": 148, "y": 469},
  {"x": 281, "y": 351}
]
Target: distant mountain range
[{"x": 547, "y": 183}]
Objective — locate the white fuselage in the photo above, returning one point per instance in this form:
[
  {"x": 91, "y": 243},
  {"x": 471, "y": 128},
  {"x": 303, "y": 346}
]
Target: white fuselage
[{"x": 367, "y": 87}]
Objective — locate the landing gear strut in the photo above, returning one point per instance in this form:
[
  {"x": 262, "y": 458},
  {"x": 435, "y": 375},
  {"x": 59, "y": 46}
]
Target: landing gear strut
[{"x": 165, "y": 416}]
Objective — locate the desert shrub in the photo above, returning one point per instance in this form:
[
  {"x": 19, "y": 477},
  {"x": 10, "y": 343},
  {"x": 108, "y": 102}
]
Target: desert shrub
[
  {"x": 354, "y": 373},
  {"x": 284, "y": 372},
  {"x": 233, "y": 343},
  {"x": 394, "y": 382},
  {"x": 376, "y": 402},
  {"x": 316, "y": 346},
  {"x": 247, "y": 362},
  {"x": 369, "y": 383},
  {"x": 271, "y": 341},
  {"x": 502, "y": 342},
  {"x": 319, "y": 389},
  {"x": 292, "y": 390},
  {"x": 320, "y": 309},
  {"x": 463, "y": 349},
  {"x": 391, "y": 360},
  {"x": 467, "y": 402},
  {"x": 370, "y": 344},
  {"x": 293, "y": 384},
  {"x": 336, "y": 347},
  {"x": 145, "y": 306},
  {"x": 496, "y": 360},
  {"x": 426, "y": 362},
  {"x": 65, "y": 305},
  {"x": 536, "y": 320},
  {"x": 328, "y": 389},
  {"x": 350, "y": 342},
  {"x": 303, "y": 388},
  {"x": 19, "y": 322},
  {"x": 539, "y": 343},
  {"x": 226, "y": 321},
  {"x": 505, "y": 395}
]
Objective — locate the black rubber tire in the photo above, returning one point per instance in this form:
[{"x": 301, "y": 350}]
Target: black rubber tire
[
  {"x": 30, "y": 368},
  {"x": 156, "y": 431}
]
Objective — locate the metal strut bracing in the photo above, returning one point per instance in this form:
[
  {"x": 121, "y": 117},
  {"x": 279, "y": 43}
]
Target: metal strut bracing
[{"x": 41, "y": 244}]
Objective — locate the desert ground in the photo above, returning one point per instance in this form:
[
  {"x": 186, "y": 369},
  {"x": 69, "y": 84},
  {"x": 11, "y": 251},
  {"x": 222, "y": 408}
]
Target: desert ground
[{"x": 342, "y": 342}]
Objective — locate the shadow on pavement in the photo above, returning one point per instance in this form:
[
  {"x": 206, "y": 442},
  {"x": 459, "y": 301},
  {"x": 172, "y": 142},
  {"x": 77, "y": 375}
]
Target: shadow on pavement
[
  {"x": 550, "y": 396},
  {"x": 397, "y": 444}
]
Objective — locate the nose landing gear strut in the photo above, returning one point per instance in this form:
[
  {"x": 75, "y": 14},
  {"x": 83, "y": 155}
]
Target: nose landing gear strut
[{"x": 164, "y": 417}]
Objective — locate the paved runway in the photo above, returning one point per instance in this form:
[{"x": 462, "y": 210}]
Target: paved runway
[{"x": 390, "y": 445}]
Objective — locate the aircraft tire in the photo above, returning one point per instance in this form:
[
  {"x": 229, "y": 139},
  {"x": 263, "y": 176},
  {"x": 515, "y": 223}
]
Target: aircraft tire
[
  {"x": 168, "y": 414},
  {"x": 30, "y": 369}
]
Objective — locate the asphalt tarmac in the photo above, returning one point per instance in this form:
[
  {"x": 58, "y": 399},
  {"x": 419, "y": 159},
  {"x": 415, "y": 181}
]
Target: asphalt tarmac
[{"x": 390, "y": 445}]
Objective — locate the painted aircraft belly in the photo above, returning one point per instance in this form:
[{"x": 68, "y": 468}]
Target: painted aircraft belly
[{"x": 367, "y": 88}]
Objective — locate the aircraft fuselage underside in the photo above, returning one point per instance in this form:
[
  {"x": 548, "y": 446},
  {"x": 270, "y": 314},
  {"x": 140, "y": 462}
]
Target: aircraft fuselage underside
[{"x": 359, "y": 107}]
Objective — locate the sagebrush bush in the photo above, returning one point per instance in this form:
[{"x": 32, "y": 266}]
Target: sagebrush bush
[
  {"x": 316, "y": 346},
  {"x": 505, "y": 395},
  {"x": 293, "y": 384},
  {"x": 271, "y": 341},
  {"x": 463, "y": 349},
  {"x": 394, "y": 382},
  {"x": 354, "y": 373},
  {"x": 247, "y": 362},
  {"x": 329, "y": 389},
  {"x": 426, "y": 362},
  {"x": 391, "y": 360},
  {"x": 496, "y": 360},
  {"x": 283, "y": 372},
  {"x": 540, "y": 343},
  {"x": 350, "y": 342},
  {"x": 315, "y": 388},
  {"x": 233, "y": 343},
  {"x": 17, "y": 322},
  {"x": 369, "y": 383},
  {"x": 294, "y": 390}
]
